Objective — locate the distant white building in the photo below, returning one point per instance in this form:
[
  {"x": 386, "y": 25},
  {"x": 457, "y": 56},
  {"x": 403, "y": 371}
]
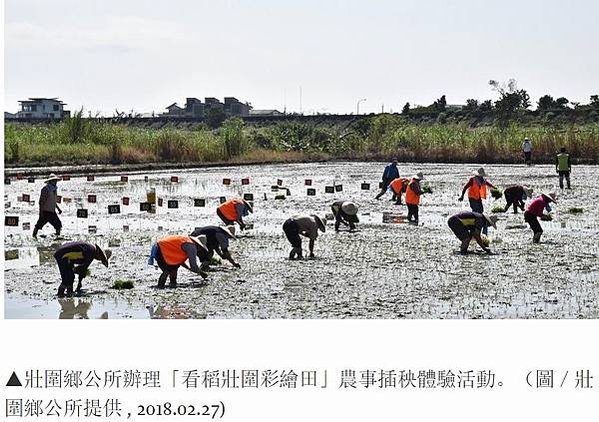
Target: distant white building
[
  {"x": 42, "y": 108},
  {"x": 265, "y": 113}
]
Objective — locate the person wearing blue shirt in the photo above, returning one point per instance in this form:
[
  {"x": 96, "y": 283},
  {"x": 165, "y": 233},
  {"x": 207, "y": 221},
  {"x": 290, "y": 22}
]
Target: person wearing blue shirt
[{"x": 390, "y": 173}]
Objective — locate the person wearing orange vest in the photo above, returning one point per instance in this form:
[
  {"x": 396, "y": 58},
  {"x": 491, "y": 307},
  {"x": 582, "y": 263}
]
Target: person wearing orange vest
[
  {"x": 171, "y": 252},
  {"x": 413, "y": 192},
  {"x": 233, "y": 211},
  {"x": 398, "y": 186},
  {"x": 477, "y": 191}
]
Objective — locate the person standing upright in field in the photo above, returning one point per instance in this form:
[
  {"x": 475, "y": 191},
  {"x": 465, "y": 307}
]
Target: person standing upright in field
[
  {"x": 477, "y": 191},
  {"x": 413, "y": 193},
  {"x": 390, "y": 173},
  {"x": 527, "y": 150},
  {"x": 48, "y": 206},
  {"x": 563, "y": 166}
]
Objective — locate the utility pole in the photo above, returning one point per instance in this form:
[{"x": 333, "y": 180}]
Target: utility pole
[{"x": 358, "y": 105}]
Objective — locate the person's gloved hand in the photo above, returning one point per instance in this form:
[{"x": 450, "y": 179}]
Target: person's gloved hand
[
  {"x": 236, "y": 265},
  {"x": 461, "y": 198},
  {"x": 312, "y": 255},
  {"x": 488, "y": 251}
]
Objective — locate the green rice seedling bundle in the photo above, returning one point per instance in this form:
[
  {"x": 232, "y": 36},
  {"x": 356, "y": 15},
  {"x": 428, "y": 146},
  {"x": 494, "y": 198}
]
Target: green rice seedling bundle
[
  {"x": 497, "y": 209},
  {"x": 547, "y": 217},
  {"x": 120, "y": 284},
  {"x": 575, "y": 210},
  {"x": 496, "y": 193},
  {"x": 427, "y": 189}
]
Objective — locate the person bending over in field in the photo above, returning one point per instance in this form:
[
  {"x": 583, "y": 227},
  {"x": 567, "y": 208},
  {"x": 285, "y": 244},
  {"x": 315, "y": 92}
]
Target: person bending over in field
[
  {"x": 467, "y": 225},
  {"x": 233, "y": 211},
  {"x": 390, "y": 173},
  {"x": 171, "y": 252},
  {"x": 75, "y": 258},
  {"x": 515, "y": 196},
  {"x": 345, "y": 212},
  {"x": 397, "y": 187},
  {"x": 305, "y": 225},
  {"x": 217, "y": 240},
  {"x": 535, "y": 210}
]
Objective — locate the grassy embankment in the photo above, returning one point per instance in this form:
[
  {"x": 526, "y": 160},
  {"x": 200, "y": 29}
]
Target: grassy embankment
[{"x": 81, "y": 141}]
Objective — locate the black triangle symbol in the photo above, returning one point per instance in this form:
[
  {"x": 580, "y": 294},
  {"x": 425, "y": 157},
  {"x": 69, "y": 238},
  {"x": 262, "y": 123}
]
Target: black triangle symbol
[{"x": 14, "y": 381}]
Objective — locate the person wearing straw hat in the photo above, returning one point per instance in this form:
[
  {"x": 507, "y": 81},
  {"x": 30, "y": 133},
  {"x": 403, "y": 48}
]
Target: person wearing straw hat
[
  {"x": 468, "y": 225},
  {"x": 75, "y": 258},
  {"x": 515, "y": 196},
  {"x": 535, "y": 210},
  {"x": 305, "y": 225},
  {"x": 413, "y": 193},
  {"x": 477, "y": 191},
  {"x": 172, "y": 252},
  {"x": 233, "y": 211},
  {"x": 48, "y": 206},
  {"x": 216, "y": 239},
  {"x": 345, "y": 212}
]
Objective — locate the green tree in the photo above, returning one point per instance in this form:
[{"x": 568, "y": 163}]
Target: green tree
[
  {"x": 471, "y": 105},
  {"x": 562, "y": 102},
  {"x": 546, "y": 102},
  {"x": 216, "y": 117},
  {"x": 406, "y": 109}
]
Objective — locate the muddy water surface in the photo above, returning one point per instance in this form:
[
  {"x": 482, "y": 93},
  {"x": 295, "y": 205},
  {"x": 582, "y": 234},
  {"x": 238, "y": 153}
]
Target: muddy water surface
[{"x": 381, "y": 271}]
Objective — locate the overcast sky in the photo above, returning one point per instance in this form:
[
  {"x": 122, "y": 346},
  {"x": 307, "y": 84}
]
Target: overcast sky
[{"x": 145, "y": 55}]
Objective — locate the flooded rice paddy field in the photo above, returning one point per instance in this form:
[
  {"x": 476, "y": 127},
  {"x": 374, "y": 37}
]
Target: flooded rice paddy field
[{"x": 381, "y": 271}]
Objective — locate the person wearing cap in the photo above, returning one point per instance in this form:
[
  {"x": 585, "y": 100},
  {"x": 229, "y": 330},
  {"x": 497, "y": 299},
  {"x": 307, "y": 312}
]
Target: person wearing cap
[
  {"x": 527, "y": 151},
  {"x": 172, "y": 252},
  {"x": 216, "y": 240},
  {"x": 75, "y": 258},
  {"x": 398, "y": 186},
  {"x": 305, "y": 225},
  {"x": 535, "y": 210},
  {"x": 233, "y": 211},
  {"x": 515, "y": 196},
  {"x": 563, "y": 166},
  {"x": 345, "y": 212},
  {"x": 48, "y": 206},
  {"x": 477, "y": 191},
  {"x": 469, "y": 224},
  {"x": 413, "y": 193},
  {"x": 390, "y": 173}
]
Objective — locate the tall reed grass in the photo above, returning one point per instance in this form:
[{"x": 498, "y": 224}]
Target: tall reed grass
[{"x": 79, "y": 140}]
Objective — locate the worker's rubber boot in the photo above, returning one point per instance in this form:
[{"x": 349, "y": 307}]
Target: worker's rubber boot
[
  {"x": 61, "y": 290},
  {"x": 162, "y": 279},
  {"x": 298, "y": 253},
  {"x": 35, "y": 230},
  {"x": 173, "y": 278},
  {"x": 464, "y": 246},
  {"x": 536, "y": 238}
]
